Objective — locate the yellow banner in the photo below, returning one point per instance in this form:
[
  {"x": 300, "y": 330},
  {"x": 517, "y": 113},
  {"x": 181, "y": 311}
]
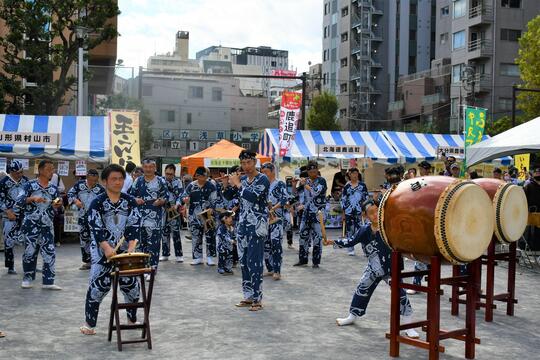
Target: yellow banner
[
  {"x": 521, "y": 162},
  {"x": 125, "y": 137}
]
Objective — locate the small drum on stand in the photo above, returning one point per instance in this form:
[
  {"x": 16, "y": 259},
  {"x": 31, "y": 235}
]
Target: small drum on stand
[
  {"x": 509, "y": 208},
  {"x": 207, "y": 220},
  {"x": 130, "y": 261},
  {"x": 437, "y": 216}
]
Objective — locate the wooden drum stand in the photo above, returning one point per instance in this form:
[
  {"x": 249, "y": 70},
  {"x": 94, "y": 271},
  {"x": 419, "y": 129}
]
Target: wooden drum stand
[{"x": 431, "y": 325}]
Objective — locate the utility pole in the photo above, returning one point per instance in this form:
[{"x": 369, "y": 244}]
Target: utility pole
[
  {"x": 302, "y": 124},
  {"x": 140, "y": 82}
]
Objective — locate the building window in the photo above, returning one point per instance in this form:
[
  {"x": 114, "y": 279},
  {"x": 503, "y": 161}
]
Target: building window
[
  {"x": 326, "y": 31},
  {"x": 505, "y": 104},
  {"x": 342, "y": 113},
  {"x": 273, "y": 64},
  {"x": 344, "y": 11},
  {"x": 456, "y": 72},
  {"x": 460, "y": 8},
  {"x": 334, "y": 31},
  {"x": 343, "y": 88},
  {"x": 344, "y": 37},
  {"x": 509, "y": 69},
  {"x": 147, "y": 90},
  {"x": 325, "y": 55},
  {"x": 326, "y": 8},
  {"x": 510, "y": 34},
  {"x": 188, "y": 118},
  {"x": 445, "y": 11},
  {"x": 195, "y": 92},
  {"x": 458, "y": 40},
  {"x": 333, "y": 55},
  {"x": 412, "y": 35},
  {"x": 444, "y": 38},
  {"x": 217, "y": 94},
  {"x": 166, "y": 115},
  {"x": 514, "y": 4},
  {"x": 412, "y": 9},
  {"x": 344, "y": 62}
]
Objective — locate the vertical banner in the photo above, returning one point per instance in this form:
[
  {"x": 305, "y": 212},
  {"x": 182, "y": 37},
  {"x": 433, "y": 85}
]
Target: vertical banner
[
  {"x": 475, "y": 122},
  {"x": 80, "y": 168},
  {"x": 522, "y": 163},
  {"x": 289, "y": 114},
  {"x": 125, "y": 137},
  {"x": 63, "y": 168}
]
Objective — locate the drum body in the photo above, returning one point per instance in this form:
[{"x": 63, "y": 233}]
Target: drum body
[
  {"x": 437, "y": 216},
  {"x": 509, "y": 208},
  {"x": 130, "y": 261}
]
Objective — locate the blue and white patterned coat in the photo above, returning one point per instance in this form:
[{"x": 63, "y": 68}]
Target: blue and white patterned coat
[
  {"x": 314, "y": 200},
  {"x": 175, "y": 190},
  {"x": 273, "y": 250}
]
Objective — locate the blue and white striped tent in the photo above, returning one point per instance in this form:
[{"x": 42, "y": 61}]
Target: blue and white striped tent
[
  {"x": 415, "y": 147},
  {"x": 81, "y": 137},
  {"x": 305, "y": 144}
]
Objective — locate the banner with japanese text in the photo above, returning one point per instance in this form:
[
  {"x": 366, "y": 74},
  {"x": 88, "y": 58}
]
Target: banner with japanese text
[
  {"x": 522, "y": 162},
  {"x": 475, "y": 123},
  {"x": 125, "y": 137},
  {"x": 289, "y": 114}
]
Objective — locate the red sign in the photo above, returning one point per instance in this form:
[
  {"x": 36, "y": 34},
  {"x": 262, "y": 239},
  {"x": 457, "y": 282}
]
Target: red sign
[
  {"x": 288, "y": 73},
  {"x": 288, "y": 119}
]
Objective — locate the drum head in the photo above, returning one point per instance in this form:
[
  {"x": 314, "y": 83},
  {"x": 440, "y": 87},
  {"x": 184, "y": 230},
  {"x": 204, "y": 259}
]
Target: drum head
[
  {"x": 463, "y": 222},
  {"x": 133, "y": 255},
  {"x": 511, "y": 213}
]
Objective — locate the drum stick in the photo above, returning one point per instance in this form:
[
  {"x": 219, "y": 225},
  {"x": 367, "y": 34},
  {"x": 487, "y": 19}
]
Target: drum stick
[
  {"x": 323, "y": 228},
  {"x": 120, "y": 242}
]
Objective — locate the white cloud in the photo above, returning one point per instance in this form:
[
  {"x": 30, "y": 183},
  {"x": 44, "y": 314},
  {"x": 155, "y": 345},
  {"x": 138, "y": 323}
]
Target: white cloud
[{"x": 149, "y": 27}]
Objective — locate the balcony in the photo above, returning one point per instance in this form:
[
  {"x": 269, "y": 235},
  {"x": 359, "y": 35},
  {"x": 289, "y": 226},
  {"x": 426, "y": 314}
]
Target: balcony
[
  {"x": 376, "y": 35},
  {"x": 482, "y": 83},
  {"x": 480, "y": 15},
  {"x": 434, "y": 99},
  {"x": 357, "y": 23},
  {"x": 480, "y": 48}
]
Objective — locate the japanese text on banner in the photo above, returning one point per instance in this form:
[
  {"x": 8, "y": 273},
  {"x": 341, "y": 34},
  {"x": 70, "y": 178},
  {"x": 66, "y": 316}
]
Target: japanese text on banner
[
  {"x": 288, "y": 119},
  {"x": 125, "y": 137},
  {"x": 475, "y": 122}
]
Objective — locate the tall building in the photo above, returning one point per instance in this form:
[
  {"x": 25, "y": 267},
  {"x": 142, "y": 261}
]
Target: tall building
[
  {"x": 367, "y": 45},
  {"x": 480, "y": 37}
]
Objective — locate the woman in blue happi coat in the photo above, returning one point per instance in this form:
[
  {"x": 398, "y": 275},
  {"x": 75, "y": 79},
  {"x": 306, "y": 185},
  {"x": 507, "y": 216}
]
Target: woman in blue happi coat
[{"x": 377, "y": 269}]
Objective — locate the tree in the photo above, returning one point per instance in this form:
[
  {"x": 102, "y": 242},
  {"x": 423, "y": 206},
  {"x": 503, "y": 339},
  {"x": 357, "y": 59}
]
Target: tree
[
  {"x": 322, "y": 113},
  {"x": 504, "y": 123},
  {"x": 41, "y": 46},
  {"x": 529, "y": 67},
  {"x": 126, "y": 103}
]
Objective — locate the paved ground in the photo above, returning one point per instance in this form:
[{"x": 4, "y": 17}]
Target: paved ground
[{"x": 193, "y": 316}]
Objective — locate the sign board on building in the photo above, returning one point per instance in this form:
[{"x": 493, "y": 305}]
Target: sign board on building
[
  {"x": 184, "y": 134},
  {"x": 156, "y": 145},
  {"x": 220, "y": 135},
  {"x": 193, "y": 146},
  {"x": 236, "y": 136},
  {"x": 246, "y": 146},
  {"x": 175, "y": 144},
  {"x": 331, "y": 150},
  {"x": 281, "y": 72},
  {"x": 203, "y": 135},
  {"x": 167, "y": 134},
  {"x": 26, "y": 138},
  {"x": 210, "y": 143}
]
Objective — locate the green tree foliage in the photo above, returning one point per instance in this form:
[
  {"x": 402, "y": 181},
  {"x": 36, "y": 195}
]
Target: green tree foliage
[
  {"x": 529, "y": 67},
  {"x": 322, "y": 113},
  {"x": 41, "y": 46},
  {"x": 504, "y": 123},
  {"x": 121, "y": 102}
]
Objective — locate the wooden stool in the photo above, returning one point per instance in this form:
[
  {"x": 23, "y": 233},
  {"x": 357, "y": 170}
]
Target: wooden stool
[
  {"x": 144, "y": 304},
  {"x": 490, "y": 260},
  {"x": 431, "y": 325}
]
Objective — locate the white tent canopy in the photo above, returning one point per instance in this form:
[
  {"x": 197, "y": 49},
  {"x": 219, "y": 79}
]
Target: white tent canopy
[{"x": 518, "y": 140}]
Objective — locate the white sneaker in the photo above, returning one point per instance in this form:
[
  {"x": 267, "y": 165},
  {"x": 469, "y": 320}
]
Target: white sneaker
[
  {"x": 179, "y": 259},
  {"x": 210, "y": 261},
  {"x": 197, "y": 261},
  {"x": 163, "y": 258},
  {"x": 351, "y": 252},
  {"x": 349, "y": 320},
  {"x": 51, "y": 287},
  {"x": 411, "y": 292},
  {"x": 26, "y": 284}
]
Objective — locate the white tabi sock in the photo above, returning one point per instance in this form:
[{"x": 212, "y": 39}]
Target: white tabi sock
[{"x": 349, "y": 320}]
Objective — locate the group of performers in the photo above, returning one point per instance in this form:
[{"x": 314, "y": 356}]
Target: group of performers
[{"x": 254, "y": 211}]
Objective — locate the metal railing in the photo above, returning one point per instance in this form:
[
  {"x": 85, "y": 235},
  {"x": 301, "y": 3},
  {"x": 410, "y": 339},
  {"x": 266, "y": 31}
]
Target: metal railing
[
  {"x": 481, "y": 10},
  {"x": 483, "y": 45},
  {"x": 439, "y": 71},
  {"x": 434, "y": 99}
]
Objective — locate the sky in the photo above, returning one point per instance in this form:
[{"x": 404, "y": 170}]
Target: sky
[{"x": 148, "y": 27}]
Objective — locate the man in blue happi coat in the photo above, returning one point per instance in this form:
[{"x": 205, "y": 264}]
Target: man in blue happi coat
[
  {"x": 313, "y": 204},
  {"x": 10, "y": 188},
  {"x": 150, "y": 192},
  {"x": 353, "y": 195},
  {"x": 252, "y": 189},
  {"x": 38, "y": 200},
  {"x": 81, "y": 195},
  {"x": 277, "y": 199},
  {"x": 172, "y": 224},
  {"x": 114, "y": 220}
]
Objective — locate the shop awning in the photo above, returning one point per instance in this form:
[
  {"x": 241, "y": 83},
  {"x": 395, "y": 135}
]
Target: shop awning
[
  {"x": 79, "y": 137},
  {"x": 416, "y": 147},
  {"x": 305, "y": 144}
]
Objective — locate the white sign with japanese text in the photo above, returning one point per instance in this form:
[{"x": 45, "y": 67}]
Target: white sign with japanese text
[
  {"x": 289, "y": 113},
  {"x": 25, "y": 138},
  {"x": 332, "y": 150},
  {"x": 80, "y": 168},
  {"x": 63, "y": 168}
]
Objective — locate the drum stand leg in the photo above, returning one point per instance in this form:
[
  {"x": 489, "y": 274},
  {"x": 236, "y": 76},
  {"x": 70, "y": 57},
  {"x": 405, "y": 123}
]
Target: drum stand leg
[
  {"x": 490, "y": 282},
  {"x": 511, "y": 300},
  {"x": 146, "y": 295},
  {"x": 434, "y": 333}
]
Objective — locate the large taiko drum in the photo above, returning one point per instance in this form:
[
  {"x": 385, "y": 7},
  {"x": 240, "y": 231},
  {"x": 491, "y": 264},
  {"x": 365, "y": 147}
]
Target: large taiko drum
[
  {"x": 437, "y": 216},
  {"x": 509, "y": 208},
  {"x": 130, "y": 261}
]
